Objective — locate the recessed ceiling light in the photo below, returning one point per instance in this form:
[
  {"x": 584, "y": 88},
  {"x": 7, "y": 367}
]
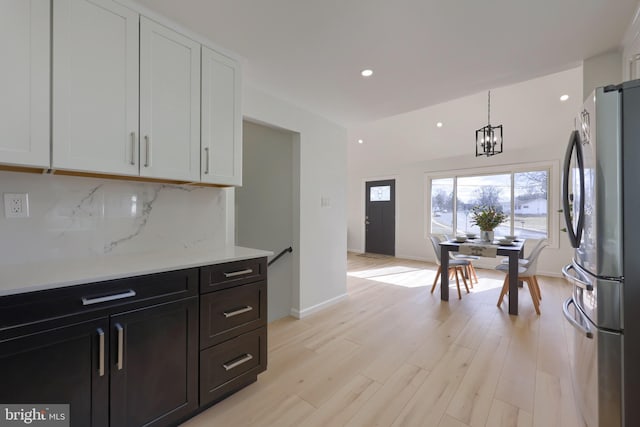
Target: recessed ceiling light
[
  {"x": 360, "y": 141},
  {"x": 439, "y": 124},
  {"x": 564, "y": 98},
  {"x": 366, "y": 73}
]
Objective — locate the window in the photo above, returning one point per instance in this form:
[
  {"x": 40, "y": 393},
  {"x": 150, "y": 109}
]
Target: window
[
  {"x": 522, "y": 195},
  {"x": 380, "y": 194},
  {"x": 442, "y": 206}
]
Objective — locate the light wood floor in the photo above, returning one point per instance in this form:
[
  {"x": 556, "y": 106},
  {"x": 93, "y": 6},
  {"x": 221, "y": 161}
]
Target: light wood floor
[{"x": 392, "y": 354}]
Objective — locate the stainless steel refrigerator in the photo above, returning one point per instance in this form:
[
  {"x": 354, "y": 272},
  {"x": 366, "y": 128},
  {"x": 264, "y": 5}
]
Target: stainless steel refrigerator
[{"x": 601, "y": 198}]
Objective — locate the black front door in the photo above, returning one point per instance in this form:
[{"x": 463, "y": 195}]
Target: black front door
[{"x": 380, "y": 217}]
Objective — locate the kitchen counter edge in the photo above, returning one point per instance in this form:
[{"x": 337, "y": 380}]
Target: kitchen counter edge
[{"x": 37, "y": 276}]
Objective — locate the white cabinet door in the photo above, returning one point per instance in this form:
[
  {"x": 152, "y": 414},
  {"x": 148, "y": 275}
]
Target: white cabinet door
[
  {"x": 24, "y": 82},
  {"x": 221, "y": 120},
  {"x": 169, "y": 103},
  {"x": 95, "y": 87}
]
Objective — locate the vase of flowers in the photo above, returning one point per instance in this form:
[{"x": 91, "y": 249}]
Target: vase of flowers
[{"x": 487, "y": 218}]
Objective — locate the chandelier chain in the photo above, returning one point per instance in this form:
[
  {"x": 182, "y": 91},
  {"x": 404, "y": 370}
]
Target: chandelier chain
[{"x": 489, "y": 109}]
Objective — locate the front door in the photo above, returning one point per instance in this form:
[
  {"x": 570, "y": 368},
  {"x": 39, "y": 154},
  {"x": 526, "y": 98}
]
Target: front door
[{"x": 380, "y": 217}]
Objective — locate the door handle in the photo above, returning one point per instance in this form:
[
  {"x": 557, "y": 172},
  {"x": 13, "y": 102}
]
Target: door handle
[
  {"x": 100, "y": 352},
  {"x": 206, "y": 162},
  {"x": 586, "y": 330},
  {"x": 147, "y": 161},
  {"x": 570, "y": 277},
  {"x": 133, "y": 148},
  {"x": 120, "y": 330}
]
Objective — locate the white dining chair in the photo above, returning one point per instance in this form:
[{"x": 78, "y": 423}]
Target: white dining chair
[
  {"x": 525, "y": 261},
  {"x": 526, "y": 273},
  {"x": 455, "y": 267},
  {"x": 470, "y": 270}
]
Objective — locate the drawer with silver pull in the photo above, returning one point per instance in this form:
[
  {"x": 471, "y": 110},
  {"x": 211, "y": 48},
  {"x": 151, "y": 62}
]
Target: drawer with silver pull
[
  {"x": 233, "y": 311},
  {"x": 235, "y": 362},
  {"x": 221, "y": 276},
  {"x": 91, "y": 298}
]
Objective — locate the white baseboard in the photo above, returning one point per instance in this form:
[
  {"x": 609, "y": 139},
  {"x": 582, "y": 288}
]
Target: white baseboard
[{"x": 300, "y": 314}]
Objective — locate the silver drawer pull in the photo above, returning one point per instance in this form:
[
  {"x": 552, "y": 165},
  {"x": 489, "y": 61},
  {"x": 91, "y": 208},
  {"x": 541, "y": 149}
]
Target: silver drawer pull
[
  {"x": 237, "y": 362},
  {"x": 238, "y": 311},
  {"x": 238, "y": 273},
  {"x": 88, "y": 301},
  {"x": 101, "y": 352}
]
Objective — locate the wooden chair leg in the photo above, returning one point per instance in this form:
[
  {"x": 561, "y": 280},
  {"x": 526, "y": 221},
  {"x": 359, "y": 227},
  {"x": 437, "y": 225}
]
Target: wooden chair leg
[
  {"x": 435, "y": 280},
  {"x": 455, "y": 271},
  {"x": 535, "y": 280},
  {"x": 473, "y": 270},
  {"x": 467, "y": 269},
  {"x": 504, "y": 290},
  {"x": 464, "y": 280},
  {"x": 532, "y": 291}
]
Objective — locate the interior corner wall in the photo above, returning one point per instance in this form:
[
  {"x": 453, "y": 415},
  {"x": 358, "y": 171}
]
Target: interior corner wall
[
  {"x": 601, "y": 70},
  {"x": 322, "y": 176}
]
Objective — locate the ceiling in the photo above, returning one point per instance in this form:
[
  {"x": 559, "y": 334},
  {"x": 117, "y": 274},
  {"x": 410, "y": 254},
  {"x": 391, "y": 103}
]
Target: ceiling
[{"x": 423, "y": 52}]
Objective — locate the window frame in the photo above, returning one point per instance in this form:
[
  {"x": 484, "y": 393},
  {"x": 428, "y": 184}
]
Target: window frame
[{"x": 553, "y": 192}]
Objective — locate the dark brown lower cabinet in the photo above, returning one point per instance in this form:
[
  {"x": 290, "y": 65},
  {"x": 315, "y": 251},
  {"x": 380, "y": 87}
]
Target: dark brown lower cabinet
[
  {"x": 154, "y": 369},
  {"x": 136, "y": 368},
  {"x": 141, "y": 351},
  {"x": 60, "y": 366}
]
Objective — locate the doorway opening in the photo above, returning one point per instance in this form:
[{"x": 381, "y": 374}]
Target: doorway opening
[{"x": 267, "y": 208}]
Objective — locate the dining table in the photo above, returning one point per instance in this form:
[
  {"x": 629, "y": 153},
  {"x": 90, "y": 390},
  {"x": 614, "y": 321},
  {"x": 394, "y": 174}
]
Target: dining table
[{"x": 513, "y": 252}]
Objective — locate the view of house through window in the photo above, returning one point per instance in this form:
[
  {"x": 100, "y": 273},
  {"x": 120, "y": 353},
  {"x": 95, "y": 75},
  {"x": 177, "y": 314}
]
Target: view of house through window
[{"x": 523, "y": 196}]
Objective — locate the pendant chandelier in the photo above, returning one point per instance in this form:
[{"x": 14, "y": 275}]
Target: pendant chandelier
[{"x": 489, "y": 138}]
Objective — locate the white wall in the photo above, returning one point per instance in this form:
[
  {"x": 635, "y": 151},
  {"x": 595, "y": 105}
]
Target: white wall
[
  {"x": 322, "y": 230},
  {"x": 631, "y": 49},
  {"x": 74, "y": 217},
  {"x": 267, "y": 192},
  {"x": 409, "y": 147},
  {"x": 601, "y": 70}
]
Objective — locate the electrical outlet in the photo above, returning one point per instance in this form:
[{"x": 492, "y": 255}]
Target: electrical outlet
[{"x": 16, "y": 205}]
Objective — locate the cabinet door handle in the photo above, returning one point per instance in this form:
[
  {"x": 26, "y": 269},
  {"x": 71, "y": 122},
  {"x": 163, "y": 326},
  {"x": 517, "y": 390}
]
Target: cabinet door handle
[
  {"x": 88, "y": 301},
  {"x": 147, "y": 161},
  {"x": 206, "y": 161},
  {"x": 120, "y": 330},
  {"x": 133, "y": 148},
  {"x": 236, "y": 312},
  {"x": 101, "y": 352},
  {"x": 238, "y": 273},
  {"x": 237, "y": 362}
]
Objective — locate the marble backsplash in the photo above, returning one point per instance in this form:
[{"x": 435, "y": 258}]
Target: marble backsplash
[{"x": 74, "y": 217}]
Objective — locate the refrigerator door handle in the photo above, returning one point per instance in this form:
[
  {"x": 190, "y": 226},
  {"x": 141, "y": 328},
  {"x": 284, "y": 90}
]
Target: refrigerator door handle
[
  {"x": 570, "y": 277},
  {"x": 584, "y": 327},
  {"x": 575, "y": 235}
]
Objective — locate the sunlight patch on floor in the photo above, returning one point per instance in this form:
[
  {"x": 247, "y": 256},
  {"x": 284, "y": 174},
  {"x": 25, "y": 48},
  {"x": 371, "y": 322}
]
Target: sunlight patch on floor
[{"x": 412, "y": 277}]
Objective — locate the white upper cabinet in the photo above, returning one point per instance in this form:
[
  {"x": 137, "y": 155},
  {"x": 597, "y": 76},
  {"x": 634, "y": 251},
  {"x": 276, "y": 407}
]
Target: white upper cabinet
[
  {"x": 169, "y": 103},
  {"x": 24, "y": 82},
  {"x": 95, "y": 87},
  {"x": 221, "y": 120}
]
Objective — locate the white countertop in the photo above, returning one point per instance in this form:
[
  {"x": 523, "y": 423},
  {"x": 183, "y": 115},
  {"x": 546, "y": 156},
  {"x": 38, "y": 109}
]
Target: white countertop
[{"x": 28, "y": 277}]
